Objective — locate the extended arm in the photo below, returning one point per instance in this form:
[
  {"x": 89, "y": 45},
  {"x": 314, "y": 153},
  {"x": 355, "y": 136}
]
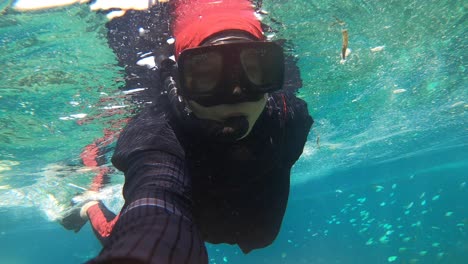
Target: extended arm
[
  {"x": 298, "y": 124},
  {"x": 155, "y": 224}
]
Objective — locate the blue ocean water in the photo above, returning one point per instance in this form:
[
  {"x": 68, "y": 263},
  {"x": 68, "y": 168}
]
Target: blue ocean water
[{"x": 383, "y": 175}]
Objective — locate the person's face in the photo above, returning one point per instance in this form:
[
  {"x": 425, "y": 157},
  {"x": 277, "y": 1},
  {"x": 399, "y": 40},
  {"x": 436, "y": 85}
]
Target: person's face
[{"x": 250, "y": 108}]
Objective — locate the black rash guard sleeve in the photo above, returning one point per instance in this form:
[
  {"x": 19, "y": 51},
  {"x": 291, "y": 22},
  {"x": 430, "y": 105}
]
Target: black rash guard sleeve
[
  {"x": 155, "y": 225},
  {"x": 298, "y": 124}
]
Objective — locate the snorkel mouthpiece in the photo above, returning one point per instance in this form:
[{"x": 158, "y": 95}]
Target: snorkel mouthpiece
[{"x": 235, "y": 127}]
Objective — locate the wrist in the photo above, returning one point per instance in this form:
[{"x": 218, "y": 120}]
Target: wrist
[{"x": 84, "y": 209}]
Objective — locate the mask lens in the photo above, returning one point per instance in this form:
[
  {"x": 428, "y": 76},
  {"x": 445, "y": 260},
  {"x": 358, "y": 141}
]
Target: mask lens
[
  {"x": 250, "y": 60},
  {"x": 209, "y": 74},
  {"x": 263, "y": 67},
  {"x": 202, "y": 72}
]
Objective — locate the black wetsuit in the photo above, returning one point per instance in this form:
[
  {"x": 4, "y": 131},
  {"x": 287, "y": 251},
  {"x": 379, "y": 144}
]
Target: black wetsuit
[
  {"x": 182, "y": 189},
  {"x": 231, "y": 193}
]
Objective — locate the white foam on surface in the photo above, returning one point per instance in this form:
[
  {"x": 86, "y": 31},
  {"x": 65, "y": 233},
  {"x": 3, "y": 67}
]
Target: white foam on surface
[
  {"x": 73, "y": 116},
  {"x": 113, "y": 107},
  {"x": 115, "y": 14},
  {"x": 147, "y": 62},
  {"x": 122, "y": 4},
  {"x": 136, "y": 90},
  {"x": 30, "y": 5},
  {"x": 26, "y": 5}
]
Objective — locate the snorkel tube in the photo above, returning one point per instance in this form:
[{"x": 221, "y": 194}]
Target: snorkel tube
[{"x": 168, "y": 75}]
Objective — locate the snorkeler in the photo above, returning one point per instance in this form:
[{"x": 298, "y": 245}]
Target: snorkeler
[{"x": 209, "y": 159}]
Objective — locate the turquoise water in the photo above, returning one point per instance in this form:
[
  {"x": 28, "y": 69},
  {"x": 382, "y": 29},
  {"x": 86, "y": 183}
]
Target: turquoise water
[{"x": 383, "y": 175}]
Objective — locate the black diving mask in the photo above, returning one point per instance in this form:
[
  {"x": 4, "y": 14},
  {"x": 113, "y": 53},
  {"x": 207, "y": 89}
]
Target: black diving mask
[{"x": 230, "y": 73}]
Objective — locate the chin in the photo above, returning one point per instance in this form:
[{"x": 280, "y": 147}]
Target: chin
[{"x": 251, "y": 110}]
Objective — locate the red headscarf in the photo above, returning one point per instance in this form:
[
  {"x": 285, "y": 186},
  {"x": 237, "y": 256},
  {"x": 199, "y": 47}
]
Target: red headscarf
[{"x": 196, "y": 20}]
